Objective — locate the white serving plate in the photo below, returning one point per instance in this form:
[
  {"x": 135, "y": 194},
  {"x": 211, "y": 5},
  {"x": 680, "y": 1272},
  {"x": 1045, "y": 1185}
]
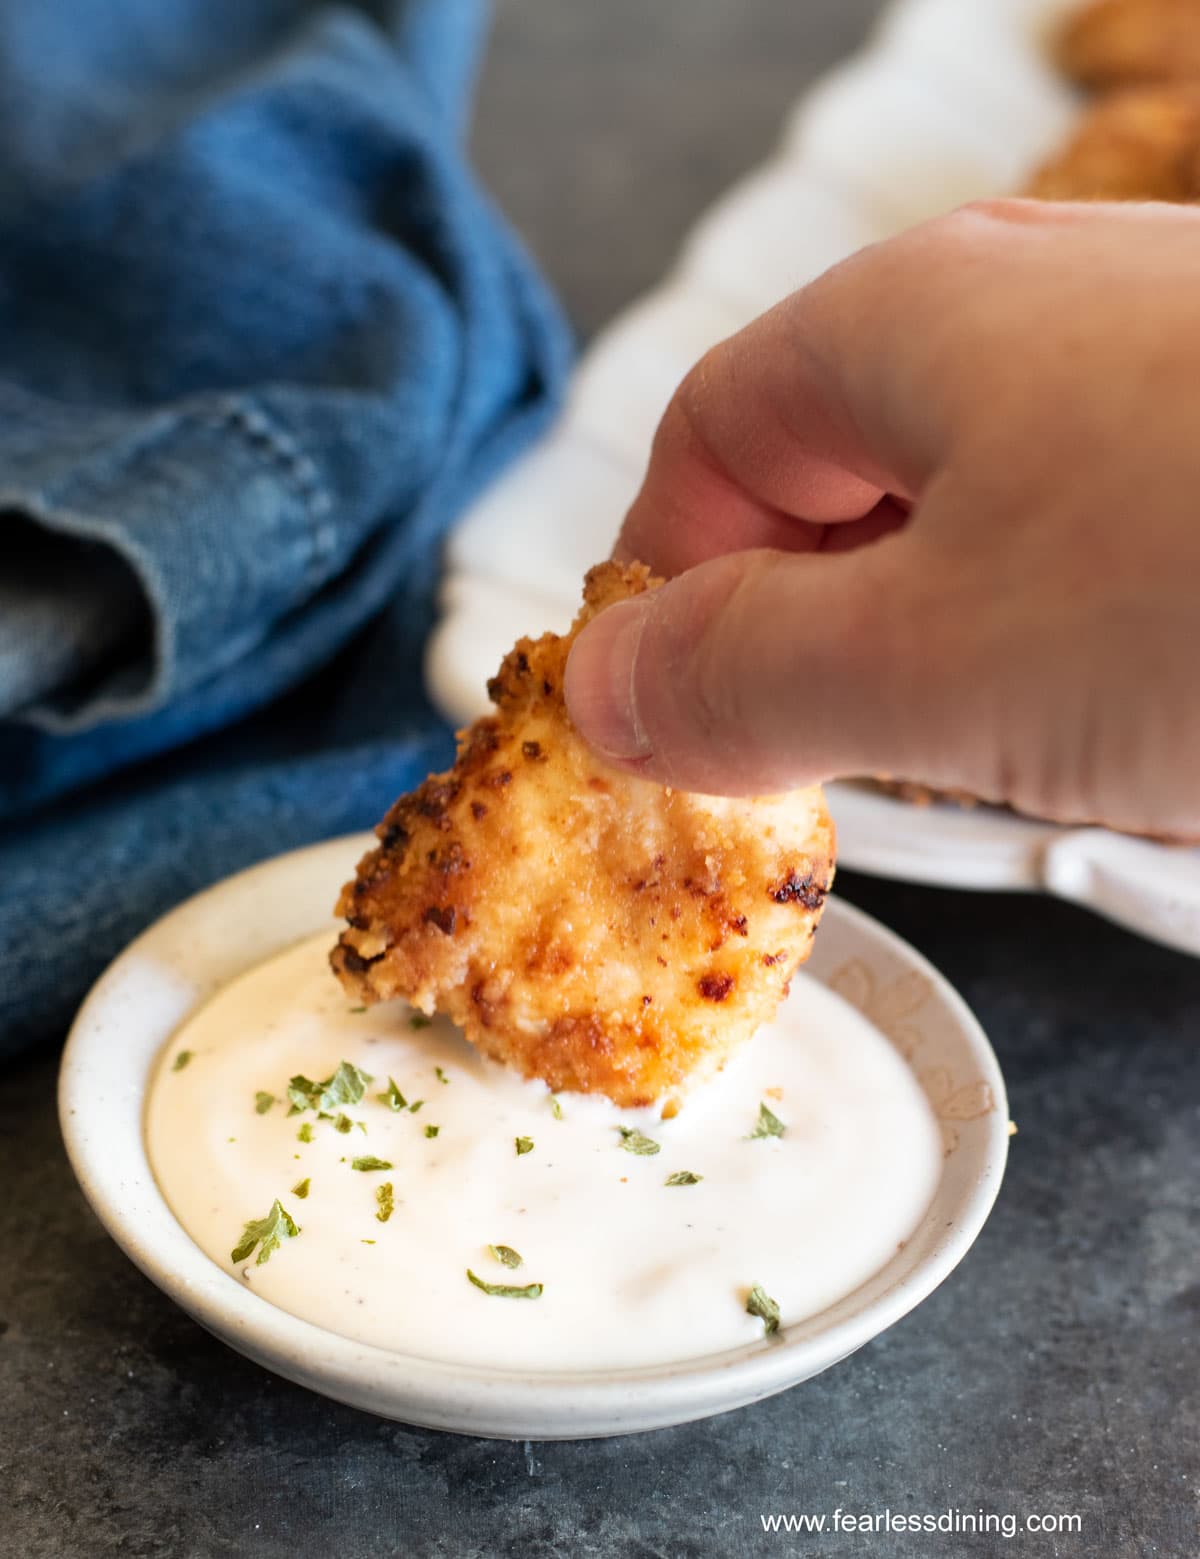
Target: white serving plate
[
  {"x": 163, "y": 977},
  {"x": 1150, "y": 888},
  {"x": 951, "y": 101}
]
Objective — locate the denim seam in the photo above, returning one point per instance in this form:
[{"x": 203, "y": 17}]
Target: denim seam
[{"x": 264, "y": 438}]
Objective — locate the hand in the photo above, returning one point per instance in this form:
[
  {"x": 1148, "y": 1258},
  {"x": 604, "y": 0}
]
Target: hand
[{"x": 936, "y": 515}]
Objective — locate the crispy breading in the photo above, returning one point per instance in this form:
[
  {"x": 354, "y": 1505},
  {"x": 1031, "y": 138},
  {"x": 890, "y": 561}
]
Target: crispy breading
[
  {"x": 1136, "y": 145},
  {"x": 919, "y": 795},
  {"x": 590, "y": 928},
  {"x": 1115, "y": 43}
]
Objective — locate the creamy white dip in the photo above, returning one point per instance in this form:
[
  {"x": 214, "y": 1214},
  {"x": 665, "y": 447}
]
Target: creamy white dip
[{"x": 633, "y": 1271}]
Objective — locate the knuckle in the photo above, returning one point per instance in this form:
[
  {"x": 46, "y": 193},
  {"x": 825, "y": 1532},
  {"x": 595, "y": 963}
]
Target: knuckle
[{"x": 683, "y": 422}]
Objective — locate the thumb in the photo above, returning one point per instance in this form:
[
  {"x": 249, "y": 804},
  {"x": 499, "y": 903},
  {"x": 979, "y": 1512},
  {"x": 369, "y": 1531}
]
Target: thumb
[{"x": 762, "y": 671}]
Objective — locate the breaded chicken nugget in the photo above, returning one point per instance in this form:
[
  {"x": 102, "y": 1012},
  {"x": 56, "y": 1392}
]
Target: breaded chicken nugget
[
  {"x": 1114, "y": 43},
  {"x": 919, "y": 795},
  {"x": 1138, "y": 145},
  {"x": 590, "y": 928}
]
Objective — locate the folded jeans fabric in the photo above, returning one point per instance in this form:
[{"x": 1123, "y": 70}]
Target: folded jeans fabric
[{"x": 261, "y": 338}]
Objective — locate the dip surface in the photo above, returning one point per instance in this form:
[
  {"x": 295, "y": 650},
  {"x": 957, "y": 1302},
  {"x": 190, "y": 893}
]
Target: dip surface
[{"x": 633, "y": 1271}]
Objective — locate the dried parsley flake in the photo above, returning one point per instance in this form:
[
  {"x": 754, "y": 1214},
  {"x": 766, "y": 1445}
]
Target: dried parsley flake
[
  {"x": 768, "y": 1125},
  {"x": 634, "y": 1141},
  {"x": 506, "y": 1290},
  {"x": 266, "y": 1233},
  {"x": 346, "y": 1086},
  {"x": 393, "y": 1098},
  {"x": 760, "y": 1303}
]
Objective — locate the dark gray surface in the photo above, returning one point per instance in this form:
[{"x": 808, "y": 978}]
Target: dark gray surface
[
  {"x": 606, "y": 126},
  {"x": 1054, "y": 1372}
]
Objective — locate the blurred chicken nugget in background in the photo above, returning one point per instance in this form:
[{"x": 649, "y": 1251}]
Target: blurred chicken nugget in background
[
  {"x": 1142, "y": 144},
  {"x": 1116, "y": 43}
]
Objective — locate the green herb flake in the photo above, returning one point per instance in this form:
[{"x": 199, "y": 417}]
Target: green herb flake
[
  {"x": 305, "y": 1133},
  {"x": 366, "y": 1242},
  {"x": 266, "y": 1233},
  {"x": 634, "y": 1141},
  {"x": 768, "y": 1125},
  {"x": 181, "y": 1060},
  {"x": 342, "y": 1123},
  {"x": 385, "y": 1196},
  {"x": 418, "y": 1020},
  {"x": 432, "y": 1131},
  {"x": 302, "y": 1093},
  {"x": 760, "y": 1303},
  {"x": 506, "y": 1256},
  {"x": 368, "y": 1164},
  {"x": 683, "y": 1177},
  {"x": 415, "y": 1106},
  {"x": 506, "y": 1290},
  {"x": 357, "y": 1010},
  {"x": 346, "y": 1086},
  {"x": 393, "y": 1098},
  {"x": 523, "y": 1145},
  {"x": 301, "y": 1188},
  {"x": 263, "y": 1102},
  {"x": 440, "y": 1075},
  {"x": 555, "y": 1107}
]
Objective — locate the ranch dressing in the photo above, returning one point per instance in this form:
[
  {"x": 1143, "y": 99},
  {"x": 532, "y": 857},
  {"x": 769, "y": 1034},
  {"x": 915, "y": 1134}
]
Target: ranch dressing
[{"x": 633, "y": 1271}]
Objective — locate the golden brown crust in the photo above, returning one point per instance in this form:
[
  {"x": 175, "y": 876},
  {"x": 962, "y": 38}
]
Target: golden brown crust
[
  {"x": 588, "y": 927},
  {"x": 1116, "y": 43},
  {"x": 919, "y": 795},
  {"x": 1135, "y": 145}
]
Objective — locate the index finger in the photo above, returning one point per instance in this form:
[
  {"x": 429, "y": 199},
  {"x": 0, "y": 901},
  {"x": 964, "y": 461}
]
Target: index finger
[{"x": 803, "y": 421}]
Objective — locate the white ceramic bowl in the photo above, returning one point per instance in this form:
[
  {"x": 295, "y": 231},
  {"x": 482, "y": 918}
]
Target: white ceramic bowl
[{"x": 182, "y": 960}]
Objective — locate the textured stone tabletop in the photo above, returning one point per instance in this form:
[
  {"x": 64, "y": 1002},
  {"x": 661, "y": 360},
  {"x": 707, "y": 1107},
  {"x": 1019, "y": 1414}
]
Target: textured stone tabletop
[{"x": 1055, "y": 1372}]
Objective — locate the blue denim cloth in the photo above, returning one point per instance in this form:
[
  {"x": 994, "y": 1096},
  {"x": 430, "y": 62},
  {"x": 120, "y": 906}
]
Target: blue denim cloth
[{"x": 261, "y": 338}]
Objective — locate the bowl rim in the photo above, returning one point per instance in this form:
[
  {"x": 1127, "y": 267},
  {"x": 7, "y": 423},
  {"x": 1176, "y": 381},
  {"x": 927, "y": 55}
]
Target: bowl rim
[{"x": 102, "y": 1090}]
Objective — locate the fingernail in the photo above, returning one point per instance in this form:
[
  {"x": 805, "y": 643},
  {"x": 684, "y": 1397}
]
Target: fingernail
[{"x": 600, "y": 689}]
